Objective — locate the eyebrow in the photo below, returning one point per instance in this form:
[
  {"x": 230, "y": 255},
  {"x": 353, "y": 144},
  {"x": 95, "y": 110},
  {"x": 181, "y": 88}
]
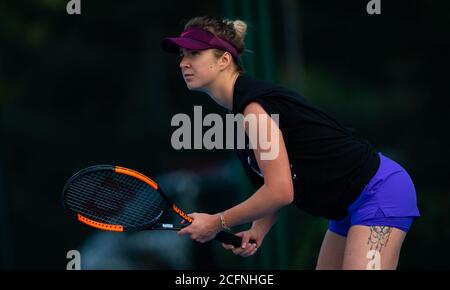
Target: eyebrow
[{"x": 183, "y": 50}]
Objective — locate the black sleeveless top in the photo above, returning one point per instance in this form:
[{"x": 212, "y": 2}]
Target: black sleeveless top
[{"x": 330, "y": 166}]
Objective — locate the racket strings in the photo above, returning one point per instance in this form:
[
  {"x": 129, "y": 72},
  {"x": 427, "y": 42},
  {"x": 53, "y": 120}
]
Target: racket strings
[
  {"x": 80, "y": 203},
  {"x": 151, "y": 199},
  {"x": 108, "y": 211},
  {"x": 106, "y": 203},
  {"x": 104, "y": 213},
  {"x": 115, "y": 198},
  {"x": 150, "y": 202}
]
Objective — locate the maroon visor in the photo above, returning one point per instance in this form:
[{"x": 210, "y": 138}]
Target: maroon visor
[{"x": 195, "y": 38}]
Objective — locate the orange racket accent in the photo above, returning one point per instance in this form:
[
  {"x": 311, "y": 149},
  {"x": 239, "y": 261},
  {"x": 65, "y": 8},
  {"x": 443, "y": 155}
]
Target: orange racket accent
[
  {"x": 182, "y": 213},
  {"x": 138, "y": 175},
  {"x": 102, "y": 226}
]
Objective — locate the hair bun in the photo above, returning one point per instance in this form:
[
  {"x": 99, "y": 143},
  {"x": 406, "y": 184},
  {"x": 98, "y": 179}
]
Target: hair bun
[{"x": 240, "y": 27}]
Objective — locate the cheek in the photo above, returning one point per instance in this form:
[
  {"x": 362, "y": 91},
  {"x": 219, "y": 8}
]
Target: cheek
[
  {"x": 210, "y": 65},
  {"x": 207, "y": 71},
  {"x": 212, "y": 69}
]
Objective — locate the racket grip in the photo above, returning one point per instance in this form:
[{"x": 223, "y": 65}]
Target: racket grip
[{"x": 230, "y": 239}]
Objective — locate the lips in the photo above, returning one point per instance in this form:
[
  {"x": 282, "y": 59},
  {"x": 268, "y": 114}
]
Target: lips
[{"x": 188, "y": 77}]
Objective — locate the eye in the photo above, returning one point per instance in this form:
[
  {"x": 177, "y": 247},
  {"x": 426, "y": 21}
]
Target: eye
[{"x": 190, "y": 53}]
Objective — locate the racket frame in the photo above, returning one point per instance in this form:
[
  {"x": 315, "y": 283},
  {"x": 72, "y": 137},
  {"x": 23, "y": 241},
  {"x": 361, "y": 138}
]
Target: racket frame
[{"x": 223, "y": 236}]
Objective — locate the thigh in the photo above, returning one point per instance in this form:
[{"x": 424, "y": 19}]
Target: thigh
[
  {"x": 373, "y": 247},
  {"x": 331, "y": 252}
]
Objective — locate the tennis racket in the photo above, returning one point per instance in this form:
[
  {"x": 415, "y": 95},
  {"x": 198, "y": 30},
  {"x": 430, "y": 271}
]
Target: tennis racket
[{"x": 119, "y": 199}]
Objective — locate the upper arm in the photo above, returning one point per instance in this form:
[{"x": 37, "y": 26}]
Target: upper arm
[{"x": 270, "y": 150}]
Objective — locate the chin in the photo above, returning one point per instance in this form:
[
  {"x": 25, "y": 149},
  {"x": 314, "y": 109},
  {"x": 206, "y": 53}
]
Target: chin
[
  {"x": 190, "y": 87},
  {"x": 193, "y": 87}
]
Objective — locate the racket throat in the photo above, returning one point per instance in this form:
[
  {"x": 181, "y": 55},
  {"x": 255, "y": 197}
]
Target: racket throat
[{"x": 181, "y": 213}]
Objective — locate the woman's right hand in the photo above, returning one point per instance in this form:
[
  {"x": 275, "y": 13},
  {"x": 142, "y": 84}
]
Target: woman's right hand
[{"x": 247, "y": 249}]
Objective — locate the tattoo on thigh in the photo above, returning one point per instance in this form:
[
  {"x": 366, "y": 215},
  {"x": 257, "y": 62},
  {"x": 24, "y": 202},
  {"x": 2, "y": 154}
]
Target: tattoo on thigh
[{"x": 379, "y": 237}]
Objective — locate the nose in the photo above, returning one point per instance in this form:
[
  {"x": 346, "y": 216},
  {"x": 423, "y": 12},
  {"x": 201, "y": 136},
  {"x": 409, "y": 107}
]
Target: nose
[{"x": 184, "y": 63}]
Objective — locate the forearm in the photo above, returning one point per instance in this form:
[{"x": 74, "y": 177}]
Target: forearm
[
  {"x": 264, "y": 224},
  {"x": 262, "y": 203}
]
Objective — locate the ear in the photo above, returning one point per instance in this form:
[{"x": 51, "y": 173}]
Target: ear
[{"x": 225, "y": 60}]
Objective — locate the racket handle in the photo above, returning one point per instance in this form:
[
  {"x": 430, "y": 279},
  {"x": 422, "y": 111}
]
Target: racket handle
[{"x": 230, "y": 239}]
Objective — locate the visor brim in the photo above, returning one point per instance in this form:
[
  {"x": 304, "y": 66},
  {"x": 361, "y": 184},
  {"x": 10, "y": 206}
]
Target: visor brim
[{"x": 173, "y": 44}]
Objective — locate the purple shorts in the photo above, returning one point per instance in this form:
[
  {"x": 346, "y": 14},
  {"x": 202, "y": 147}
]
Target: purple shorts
[{"x": 389, "y": 199}]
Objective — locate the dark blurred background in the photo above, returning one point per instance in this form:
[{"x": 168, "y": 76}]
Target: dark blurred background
[{"x": 79, "y": 90}]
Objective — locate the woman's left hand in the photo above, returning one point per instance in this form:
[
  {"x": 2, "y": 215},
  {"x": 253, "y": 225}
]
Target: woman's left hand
[{"x": 203, "y": 228}]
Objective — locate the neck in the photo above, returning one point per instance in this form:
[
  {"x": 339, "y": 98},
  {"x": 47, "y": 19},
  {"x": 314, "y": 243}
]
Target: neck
[{"x": 222, "y": 90}]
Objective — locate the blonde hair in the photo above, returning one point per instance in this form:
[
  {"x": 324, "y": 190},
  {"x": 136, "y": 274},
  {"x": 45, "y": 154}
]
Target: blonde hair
[{"x": 233, "y": 31}]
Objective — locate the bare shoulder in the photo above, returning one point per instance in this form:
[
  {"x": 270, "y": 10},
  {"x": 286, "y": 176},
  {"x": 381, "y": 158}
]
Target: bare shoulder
[{"x": 254, "y": 108}]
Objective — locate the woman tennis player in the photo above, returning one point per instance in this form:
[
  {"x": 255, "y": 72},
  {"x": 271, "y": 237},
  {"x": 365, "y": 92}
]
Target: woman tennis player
[{"x": 320, "y": 166}]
